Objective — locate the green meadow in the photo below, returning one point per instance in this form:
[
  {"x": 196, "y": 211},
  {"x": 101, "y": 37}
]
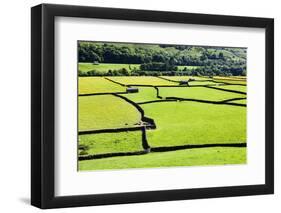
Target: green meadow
[
  {"x": 110, "y": 142},
  {"x": 188, "y": 157},
  {"x": 85, "y": 67},
  {"x": 185, "y": 78},
  {"x": 243, "y": 101},
  {"x": 144, "y": 94},
  {"x": 88, "y": 85},
  {"x": 199, "y": 93},
  {"x": 182, "y": 123},
  {"x": 233, "y": 87},
  {"x": 142, "y": 80},
  {"x": 106, "y": 111},
  {"x": 105, "y": 67},
  {"x": 231, "y": 81},
  {"x": 179, "y": 123}
]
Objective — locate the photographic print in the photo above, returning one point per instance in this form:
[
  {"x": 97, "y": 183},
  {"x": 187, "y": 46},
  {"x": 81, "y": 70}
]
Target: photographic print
[
  {"x": 161, "y": 97},
  {"x": 160, "y": 105}
]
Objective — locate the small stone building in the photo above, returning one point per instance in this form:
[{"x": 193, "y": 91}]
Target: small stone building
[
  {"x": 184, "y": 82},
  {"x": 132, "y": 90}
]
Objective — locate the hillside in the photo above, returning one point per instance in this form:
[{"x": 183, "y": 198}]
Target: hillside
[{"x": 166, "y": 59}]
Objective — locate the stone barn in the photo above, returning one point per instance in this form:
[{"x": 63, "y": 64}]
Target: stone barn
[
  {"x": 132, "y": 90},
  {"x": 184, "y": 82}
]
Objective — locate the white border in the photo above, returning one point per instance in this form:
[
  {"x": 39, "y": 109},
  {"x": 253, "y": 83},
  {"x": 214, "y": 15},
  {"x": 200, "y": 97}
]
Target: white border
[{"x": 70, "y": 182}]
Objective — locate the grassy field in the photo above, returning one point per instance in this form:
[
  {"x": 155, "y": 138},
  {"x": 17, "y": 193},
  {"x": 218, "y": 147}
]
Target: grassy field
[
  {"x": 189, "y": 157},
  {"x": 144, "y": 94},
  {"x": 93, "y": 113},
  {"x": 88, "y": 85},
  {"x": 202, "y": 83},
  {"x": 143, "y": 80},
  {"x": 233, "y": 87},
  {"x": 239, "y": 77},
  {"x": 244, "y": 101},
  {"x": 232, "y": 78},
  {"x": 104, "y": 67},
  {"x": 185, "y": 78},
  {"x": 178, "y": 123},
  {"x": 85, "y": 67},
  {"x": 231, "y": 81},
  {"x": 110, "y": 143},
  {"x": 199, "y": 93},
  {"x": 181, "y": 123}
]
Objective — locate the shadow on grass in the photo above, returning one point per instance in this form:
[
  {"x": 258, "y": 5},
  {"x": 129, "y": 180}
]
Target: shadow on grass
[{"x": 161, "y": 149}]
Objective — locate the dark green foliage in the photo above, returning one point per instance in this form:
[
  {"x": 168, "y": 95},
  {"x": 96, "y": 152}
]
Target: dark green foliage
[
  {"x": 164, "y": 59},
  {"x": 158, "y": 66},
  {"x": 119, "y": 72}
]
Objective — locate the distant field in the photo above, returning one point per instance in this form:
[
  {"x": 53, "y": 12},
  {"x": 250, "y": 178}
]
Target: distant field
[
  {"x": 181, "y": 123},
  {"x": 85, "y": 67},
  {"x": 233, "y": 87},
  {"x": 244, "y": 101},
  {"x": 239, "y": 77},
  {"x": 88, "y": 85},
  {"x": 102, "y": 67},
  {"x": 202, "y": 83},
  {"x": 110, "y": 142},
  {"x": 144, "y": 94},
  {"x": 106, "y": 111},
  {"x": 188, "y": 157},
  {"x": 185, "y": 78},
  {"x": 231, "y": 81},
  {"x": 232, "y": 78},
  {"x": 144, "y": 80},
  {"x": 199, "y": 93}
]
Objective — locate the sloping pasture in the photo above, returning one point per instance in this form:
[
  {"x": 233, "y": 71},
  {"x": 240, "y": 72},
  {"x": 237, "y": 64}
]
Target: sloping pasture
[
  {"x": 91, "y": 85},
  {"x": 110, "y": 143},
  {"x": 141, "y": 80},
  {"x": 106, "y": 111},
  {"x": 198, "y": 93},
  {"x": 102, "y": 67},
  {"x": 185, "y": 78},
  {"x": 181, "y": 123},
  {"x": 187, "y": 157},
  {"x": 232, "y": 87},
  {"x": 144, "y": 94},
  {"x": 231, "y": 81}
]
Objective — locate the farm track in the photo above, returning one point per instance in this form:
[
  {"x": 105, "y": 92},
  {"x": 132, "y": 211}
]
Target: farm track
[{"x": 151, "y": 123}]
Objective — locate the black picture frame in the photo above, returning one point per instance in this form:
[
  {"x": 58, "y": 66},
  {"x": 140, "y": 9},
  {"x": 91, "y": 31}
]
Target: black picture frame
[{"x": 43, "y": 102}]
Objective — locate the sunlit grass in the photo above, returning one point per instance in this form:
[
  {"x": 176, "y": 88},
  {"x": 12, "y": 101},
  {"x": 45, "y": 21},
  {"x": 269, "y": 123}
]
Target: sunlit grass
[
  {"x": 189, "y": 157},
  {"x": 88, "y": 85},
  {"x": 106, "y": 111},
  {"x": 110, "y": 143},
  {"x": 180, "y": 123}
]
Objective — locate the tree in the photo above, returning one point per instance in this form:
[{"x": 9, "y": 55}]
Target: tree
[{"x": 221, "y": 55}]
